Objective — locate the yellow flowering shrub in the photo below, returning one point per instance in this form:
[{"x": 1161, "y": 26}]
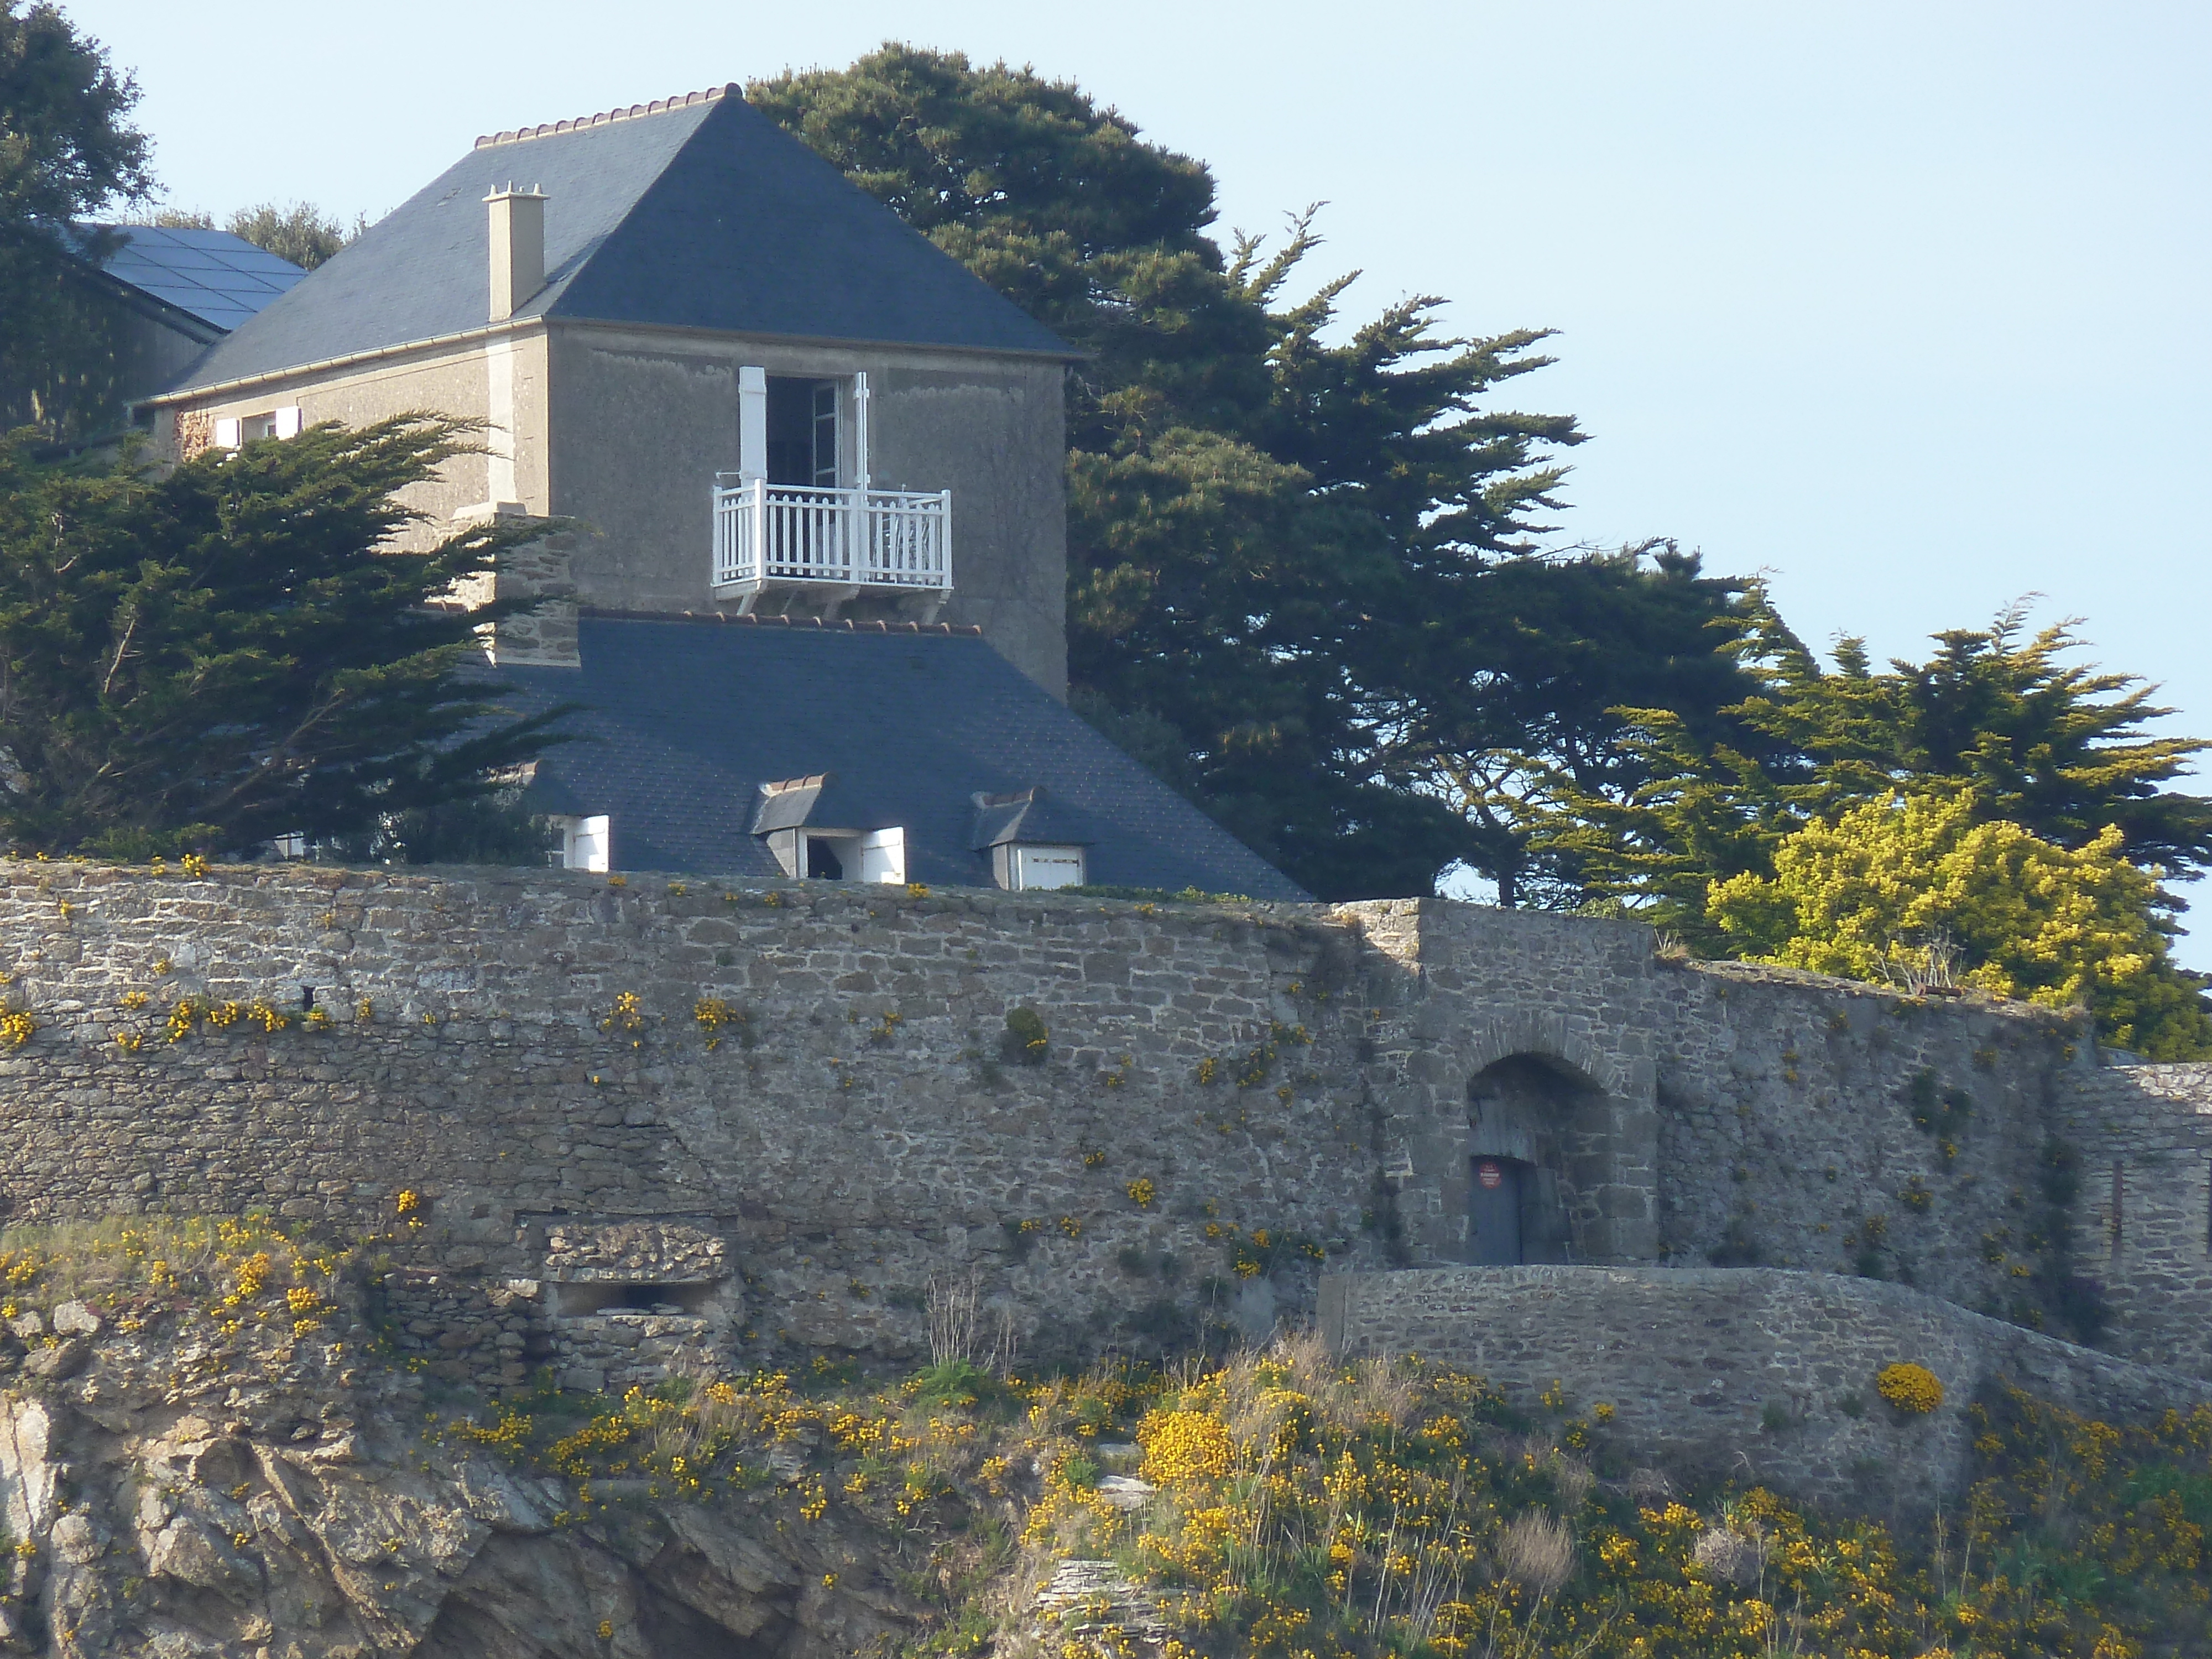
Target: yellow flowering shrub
[
  {"x": 1181, "y": 1446},
  {"x": 1909, "y": 1387},
  {"x": 2054, "y": 925}
]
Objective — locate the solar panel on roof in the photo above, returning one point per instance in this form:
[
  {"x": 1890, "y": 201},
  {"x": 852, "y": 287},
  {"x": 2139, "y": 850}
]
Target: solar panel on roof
[{"x": 219, "y": 278}]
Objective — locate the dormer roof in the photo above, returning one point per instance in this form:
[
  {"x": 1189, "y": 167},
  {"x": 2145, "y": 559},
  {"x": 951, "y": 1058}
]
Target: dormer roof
[
  {"x": 700, "y": 213},
  {"x": 1031, "y": 817},
  {"x": 817, "y": 801}
]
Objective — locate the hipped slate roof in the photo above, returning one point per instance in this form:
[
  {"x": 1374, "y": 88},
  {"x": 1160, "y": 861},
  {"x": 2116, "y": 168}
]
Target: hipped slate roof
[
  {"x": 221, "y": 279},
  {"x": 701, "y": 215},
  {"x": 685, "y": 720}
]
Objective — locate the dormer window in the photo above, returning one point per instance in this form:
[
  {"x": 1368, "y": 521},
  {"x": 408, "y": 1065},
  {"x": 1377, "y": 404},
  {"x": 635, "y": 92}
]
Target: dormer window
[
  {"x": 1033, "y": 845},
  {"x": 816, "y": 830}
]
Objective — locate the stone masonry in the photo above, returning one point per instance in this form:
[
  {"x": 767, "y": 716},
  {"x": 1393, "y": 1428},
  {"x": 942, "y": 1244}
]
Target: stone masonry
[
  {"x": 659, "y": 1117},
  {"x": 1750, "y": 1374}
]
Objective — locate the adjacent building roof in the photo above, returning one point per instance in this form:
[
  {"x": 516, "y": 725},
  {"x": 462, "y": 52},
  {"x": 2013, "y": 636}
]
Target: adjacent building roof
[
  {"x": 702, "y": 213},
  {"x": 684, "y": 721},
  {"x": 218, "y": 278}
]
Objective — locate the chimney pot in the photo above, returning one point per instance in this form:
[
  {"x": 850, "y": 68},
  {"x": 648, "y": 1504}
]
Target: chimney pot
[{"x": 517, "y": 247}]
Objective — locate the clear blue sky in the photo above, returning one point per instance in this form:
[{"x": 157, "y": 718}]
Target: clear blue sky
[{"x": 1904, "y": 305}]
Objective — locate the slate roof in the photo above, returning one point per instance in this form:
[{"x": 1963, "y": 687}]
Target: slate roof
[
  {"x": 704, "y": 213},
  {"x": 685, "y": 720},
  {"x": 219, "y": 278}
]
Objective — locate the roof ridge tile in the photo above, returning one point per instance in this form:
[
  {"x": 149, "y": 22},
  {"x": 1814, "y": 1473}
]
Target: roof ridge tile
[
  {"x": 832, "y": 624},
  {"x": 658, "y": 106}
]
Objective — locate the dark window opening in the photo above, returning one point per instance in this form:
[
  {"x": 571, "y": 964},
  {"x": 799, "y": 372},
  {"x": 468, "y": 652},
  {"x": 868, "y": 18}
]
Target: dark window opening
[
  {"x": 802, "y": 432},
  {"x": 630, "y": 1296},
  {"x": 823, "y": 863}
]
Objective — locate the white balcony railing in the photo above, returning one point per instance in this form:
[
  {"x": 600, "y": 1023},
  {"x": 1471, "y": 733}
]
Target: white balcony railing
[{"x": 766, "y": 533}]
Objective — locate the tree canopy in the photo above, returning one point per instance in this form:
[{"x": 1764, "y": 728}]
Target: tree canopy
[
  {"x": 1996, "y": 716},
  {"x": 234, "y": 651},
  {"x": 301, "y": 232},
  {"x": 1253, "y": 502},
  {"x": 66, "y": 152}
]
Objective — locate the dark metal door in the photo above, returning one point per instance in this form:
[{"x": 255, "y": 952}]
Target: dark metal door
[{"x": 1494, "y": 1218}]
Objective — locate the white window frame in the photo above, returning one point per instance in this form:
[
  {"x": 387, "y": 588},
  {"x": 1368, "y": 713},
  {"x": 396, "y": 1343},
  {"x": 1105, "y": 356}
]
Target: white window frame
[
  {"x": 875, "y": 855},
  {"x": 232, "y": 431}
]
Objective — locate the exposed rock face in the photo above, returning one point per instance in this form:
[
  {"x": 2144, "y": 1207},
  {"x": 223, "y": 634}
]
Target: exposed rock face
[{"x": 257, "y": 1498}]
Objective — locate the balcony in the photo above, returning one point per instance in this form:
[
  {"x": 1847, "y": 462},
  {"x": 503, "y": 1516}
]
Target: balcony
[{"x": 856, "y": 541}]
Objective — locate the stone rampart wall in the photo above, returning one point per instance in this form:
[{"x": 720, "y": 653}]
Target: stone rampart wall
[
  {"x": 2143, "y": 1134},
  {"x": 1223, "y": 1099},
  {"x": 1752, "y": 1375}
]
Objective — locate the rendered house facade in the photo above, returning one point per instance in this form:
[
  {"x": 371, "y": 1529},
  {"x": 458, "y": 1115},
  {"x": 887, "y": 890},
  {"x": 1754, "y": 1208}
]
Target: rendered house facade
[{"x": 756, "y": 388}]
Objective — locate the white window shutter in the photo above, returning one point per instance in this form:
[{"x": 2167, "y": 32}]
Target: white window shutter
[
  {"x": 584, "y": 843},
  {"x": 226, "y": 432},
  {"x": 289, "y": 423},
  {"x": 752, "y": 422},
  {"x": 883, "y": 855}
]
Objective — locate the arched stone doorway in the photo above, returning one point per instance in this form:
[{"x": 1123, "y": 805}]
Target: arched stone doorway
[{"x": 1535, "y": 1149}]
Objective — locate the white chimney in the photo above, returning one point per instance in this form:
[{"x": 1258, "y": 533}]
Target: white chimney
[{"x": 517, "y": 247}]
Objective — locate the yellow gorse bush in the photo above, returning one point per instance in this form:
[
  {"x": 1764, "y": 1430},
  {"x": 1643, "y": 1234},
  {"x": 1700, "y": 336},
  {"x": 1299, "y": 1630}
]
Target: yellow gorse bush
[
  {"x": 1184, "y": 1445},
  {"x": 1909, "y": 1387},
  {"x": 2054, "y": 925}
]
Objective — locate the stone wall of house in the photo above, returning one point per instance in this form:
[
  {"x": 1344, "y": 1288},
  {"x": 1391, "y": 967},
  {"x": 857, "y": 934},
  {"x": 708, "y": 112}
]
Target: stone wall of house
[
  {"x": 797, "y": 1111},
  {"x": 1753, "y": 1374}
]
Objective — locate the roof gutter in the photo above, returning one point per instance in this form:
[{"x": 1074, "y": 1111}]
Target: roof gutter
[{"x": 467, "y": 336}]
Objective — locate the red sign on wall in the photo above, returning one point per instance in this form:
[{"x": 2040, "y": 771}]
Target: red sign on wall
[{"x": 1487, "y": 1172}]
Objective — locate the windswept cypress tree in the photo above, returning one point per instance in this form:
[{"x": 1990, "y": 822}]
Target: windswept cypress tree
[
  {"x": 232, "y": 652},
  {"x": 1252, "y": 506}
]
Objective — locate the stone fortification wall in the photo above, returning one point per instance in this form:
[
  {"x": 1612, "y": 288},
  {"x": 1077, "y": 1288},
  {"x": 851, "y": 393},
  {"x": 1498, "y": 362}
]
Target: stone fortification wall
[
  {"x": 1835, "y": 1127},
  {"x": 664, "y": 1115},
  {"x": 1752, "y": 1375},
  {"x": 2143, "y": 1136},
  {"x": 1717, "y": 1113},
  {"x": 856, "y": 1117}
]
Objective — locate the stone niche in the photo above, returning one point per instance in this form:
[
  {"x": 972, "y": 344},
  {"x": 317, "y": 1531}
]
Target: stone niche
[
  {"x": 1524, "y": 1117},
  {"x": 642, "y": 1266},
  {"x": 632, "y": 1302}
]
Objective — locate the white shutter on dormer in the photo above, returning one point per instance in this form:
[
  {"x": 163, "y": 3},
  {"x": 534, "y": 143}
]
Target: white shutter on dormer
[{"x": 226, "y": 432}]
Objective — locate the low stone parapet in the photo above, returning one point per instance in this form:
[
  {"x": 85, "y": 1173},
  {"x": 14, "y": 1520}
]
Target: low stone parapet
[{"x": 1755, "y": 1375}]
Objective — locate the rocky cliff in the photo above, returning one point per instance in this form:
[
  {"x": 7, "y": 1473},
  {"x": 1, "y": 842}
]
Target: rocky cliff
[{"x": 186, "y": 1470}]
